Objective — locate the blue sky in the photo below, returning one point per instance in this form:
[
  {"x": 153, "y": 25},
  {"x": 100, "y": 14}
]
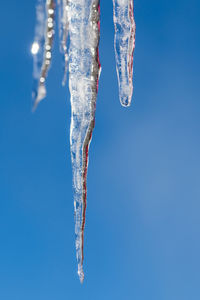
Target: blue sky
[{"x": 142, "y": 228}]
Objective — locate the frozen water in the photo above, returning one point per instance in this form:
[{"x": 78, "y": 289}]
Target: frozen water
[
  {"x": 79, "y": 26},
  {"x": 42, "y": 47},
  {"x": 124, "y": 47},
  {"x": 63, "y": 33},
  {"x": 84, "y": 70}
]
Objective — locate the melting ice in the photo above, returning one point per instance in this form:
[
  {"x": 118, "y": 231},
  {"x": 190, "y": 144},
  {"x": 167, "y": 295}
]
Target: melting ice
[{"x": 79, "y": 30}]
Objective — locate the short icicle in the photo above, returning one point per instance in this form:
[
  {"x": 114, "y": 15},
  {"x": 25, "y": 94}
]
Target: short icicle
[
  {"x": 124, "y": 47},
  {"x": 84, "y": 70},
  {"x": 42, "y": 46}
]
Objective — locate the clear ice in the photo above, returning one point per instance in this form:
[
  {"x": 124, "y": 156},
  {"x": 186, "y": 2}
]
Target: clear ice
[
  {"x": 42, "y": 47},
  {"x": 63, "y": 33},
  {"x": 124, "y": 47},
  {"x": 84, "y": 69},
  {"x": 79, "y": 31}
]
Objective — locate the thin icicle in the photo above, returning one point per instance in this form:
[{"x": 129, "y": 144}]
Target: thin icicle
[
  {"x": 63, "y": 33},
  {"x": 42, "y": 46},
  {"x": 124, "y": 47},
  {"x": 84, "y": 70}
]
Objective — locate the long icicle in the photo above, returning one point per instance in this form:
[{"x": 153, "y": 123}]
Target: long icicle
[
  {"x": 84, "y": 70},
  {"x": 124, "y": 47},
  {"x": 80, "y": 19},
  {"x": 42, "y": 47}
]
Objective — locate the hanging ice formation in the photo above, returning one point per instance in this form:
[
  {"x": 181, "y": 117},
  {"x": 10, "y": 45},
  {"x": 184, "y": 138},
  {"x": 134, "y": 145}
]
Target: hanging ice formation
[
  {"x": 79, "y": 26},
  {"x": 124, "y": 47}
]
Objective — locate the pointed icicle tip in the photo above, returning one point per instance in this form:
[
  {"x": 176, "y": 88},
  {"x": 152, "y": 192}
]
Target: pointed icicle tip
[
  {"x": 39, "y": 96},
  {"x": 81, "y": 275}
]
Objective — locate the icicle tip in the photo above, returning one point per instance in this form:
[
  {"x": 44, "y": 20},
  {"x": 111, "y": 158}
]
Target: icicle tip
[
  {"x": 125, "y": 101},
  {"x": 81, "y": 275},
  {"x": 38, "y": 96}
]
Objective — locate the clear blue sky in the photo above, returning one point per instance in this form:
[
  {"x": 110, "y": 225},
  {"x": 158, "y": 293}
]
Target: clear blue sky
[{"x": 143, "y": 226}]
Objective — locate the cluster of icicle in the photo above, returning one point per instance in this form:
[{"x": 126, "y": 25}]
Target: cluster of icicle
[{"x": 79, "y": 29}]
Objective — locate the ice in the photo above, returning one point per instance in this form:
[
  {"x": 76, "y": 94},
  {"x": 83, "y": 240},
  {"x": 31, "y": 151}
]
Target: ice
[
  {"x": 63, "y": 33},
  {"x": 84, "y": 69},
  {"x": 124, "y": 47},
  {"x": 42, "y": 47},
  {"x": 79, "y": 26}
]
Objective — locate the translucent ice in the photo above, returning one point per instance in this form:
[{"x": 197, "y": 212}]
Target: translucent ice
[
  {"x": 124, "y": 47},
  {"x": 63, "y": 33},
  {"x": 42, "y": 46},
  {"x": 79, "y": 26},
  {"x": 84, "y": 69}
]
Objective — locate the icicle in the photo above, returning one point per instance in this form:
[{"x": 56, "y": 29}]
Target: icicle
[
  {"x": 80, "y": 19},
  {"x": 124, "y": 47},
  {"x": 84, "y": 70},
  {"x": 63, "y": 33},
  {"x": 42, "y": 46}
]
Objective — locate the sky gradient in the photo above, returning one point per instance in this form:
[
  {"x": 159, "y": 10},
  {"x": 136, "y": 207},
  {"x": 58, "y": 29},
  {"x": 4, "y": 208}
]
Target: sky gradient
[{"x": 142, "y": 220}]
